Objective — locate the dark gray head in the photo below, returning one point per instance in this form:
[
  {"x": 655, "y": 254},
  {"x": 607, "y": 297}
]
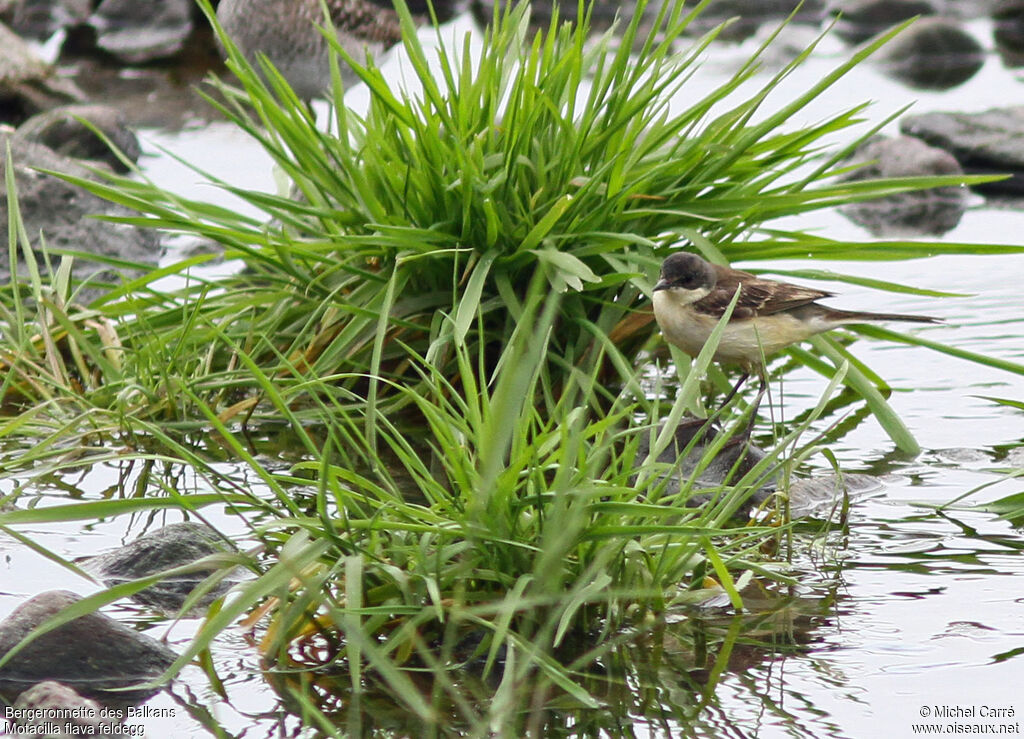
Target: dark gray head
[{"x": 687, "y": 271}]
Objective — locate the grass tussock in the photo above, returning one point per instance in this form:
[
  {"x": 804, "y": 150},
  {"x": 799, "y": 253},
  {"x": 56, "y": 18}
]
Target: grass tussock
[{"x": 417, "y": 227}]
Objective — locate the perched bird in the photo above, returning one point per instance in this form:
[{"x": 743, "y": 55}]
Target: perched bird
[
  {"x": 693, "y": 294},
  {"x": 286, "y": 32}
]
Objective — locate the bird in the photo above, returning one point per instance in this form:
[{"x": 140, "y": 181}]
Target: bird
[
  {"x": 287, "y": 33},
  {"x": 692, "y": 294}
]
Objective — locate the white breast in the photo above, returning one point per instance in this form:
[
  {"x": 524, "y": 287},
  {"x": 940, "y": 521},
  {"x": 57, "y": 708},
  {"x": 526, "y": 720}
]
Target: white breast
[{"x": 744, "y": 342}]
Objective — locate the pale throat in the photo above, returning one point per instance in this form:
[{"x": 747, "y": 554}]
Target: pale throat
[{"x": 681, "y": 296}]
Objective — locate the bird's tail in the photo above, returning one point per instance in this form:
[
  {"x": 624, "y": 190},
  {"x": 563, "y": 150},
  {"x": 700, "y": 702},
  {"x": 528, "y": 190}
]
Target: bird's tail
[{"x": 849, "y": 316}]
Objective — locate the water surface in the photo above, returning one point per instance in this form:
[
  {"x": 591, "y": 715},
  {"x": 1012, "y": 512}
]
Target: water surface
[{"x": 909, "y": 611}]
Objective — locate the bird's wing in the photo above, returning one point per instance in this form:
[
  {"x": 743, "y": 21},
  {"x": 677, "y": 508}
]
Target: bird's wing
[{"x": 757, "y": 298}]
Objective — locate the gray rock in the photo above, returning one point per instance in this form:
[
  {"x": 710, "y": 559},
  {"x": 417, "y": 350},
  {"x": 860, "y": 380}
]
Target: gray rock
[
  {"x": 784, "y": 45},
  {"x": 745, "y": 16},
  {"x": 92, "y": 653},
  {"x": 749, "y": 15},
  {"x": 602, "y": 16},
  {"x": 933, "y": 54},
  {"x": 40, "y": 19},
  {"x": 172, "y": 546},
  {"x": 63, "y": 130},
  {"x": 990, "y": 142},
  {"x": 932, "y": 212},
  {"x": 27, "y": 84},
  {"x": 55, "y": 711},
  {"x": 64, "y": 214},
  {"x": 807, "y": 497},
  {"x": 729, "y": 464},
  {"x": 859, "y": 20},
  {"x": 963, "y": 456},
  {"x": 1008, "y": 32},
  {"x": 1015, "y": 457},
  {"x": 819, "y": 495},
  {"x": 967, "y": 9},
  {"x": 142, "y": 31}
]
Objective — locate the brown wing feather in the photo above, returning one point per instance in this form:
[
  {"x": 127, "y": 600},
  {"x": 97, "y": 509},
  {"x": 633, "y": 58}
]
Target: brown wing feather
[{"x": 757, "y": 298}]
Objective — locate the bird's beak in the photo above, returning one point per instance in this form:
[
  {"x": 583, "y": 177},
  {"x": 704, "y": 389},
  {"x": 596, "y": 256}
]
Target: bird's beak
[{"x": 661, "y": 284}]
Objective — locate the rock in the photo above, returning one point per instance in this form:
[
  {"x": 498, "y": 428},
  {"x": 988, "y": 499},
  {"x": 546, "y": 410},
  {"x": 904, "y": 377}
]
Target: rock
[
  {"x": 164, "y": 96},
  {"x": 27, "y": 84},
  {"x": 737, "y": 453},
  {"x": 63, "y": 130},
  {"x": 1008, "y": 32},
  {"x": 140, "y": 32},
  {"x": 55, "y": 711},
  {"x": 859, "y": 20},
  {"x": 176, "y": 545},
  {"x": 40, "y": 19},
  {"x": 64, "y": 213},
  {"x": 749, "y": 15},
  {"x": 990, "y": 142},
  {"x": 962, "y": 457},
  {"x": 602, "y": 17},
  {"x": 1015, "y": 457},
  {"x": 92, "y": 654},
  {"x": 933, "y": 54},
  {"x": 807, "y": 497},
  {"x": 933, "y": 212},
  {"x": 967, "y": 9},
  {"x": 816, "y": 496},
  {"x": 746, "y": 15},
  {"x": 781, "y": 46}
]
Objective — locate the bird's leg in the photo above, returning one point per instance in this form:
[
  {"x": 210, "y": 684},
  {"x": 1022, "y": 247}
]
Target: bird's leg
[
  {"x": 735, "y": 389},
  {"x": 761, "y": 390},
  {"x": 702, "y": 425},
  {"x": 709, "y": 421}
]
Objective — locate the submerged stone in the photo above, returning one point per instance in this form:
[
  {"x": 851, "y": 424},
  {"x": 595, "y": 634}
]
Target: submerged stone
[
  {"x": 28, "y": 85},
  {"x": 602, "y": 14},
  {"x": 64, "y": 130},
  {"x": 139, "y": 32},
  {"x": 1008, "y": 33},
  {"x": 172, "y": 546},
  {"x": 933, "y": 54},
  {"x": 92, "y": 654},
  {"x": 692, "y": 439},
  {"x": 55, "y": 711},
  {"x": 817, "y": 496},
  {"x": 933, "y": 212},
  {"x": 859, "y": 20},
  {"x": 65, "y": 214},
  {"x": 989, "y": 142},
  {"x": 39, "y": 19},
  {"x": 686, "y": 451},
  {"x": 745, "y": 17}
]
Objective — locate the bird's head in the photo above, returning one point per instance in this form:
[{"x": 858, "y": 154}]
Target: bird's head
[{"x": 686, "y": 276}]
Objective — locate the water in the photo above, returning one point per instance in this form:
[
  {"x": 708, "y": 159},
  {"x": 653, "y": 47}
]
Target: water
[
  {"x": 912, "y": 617},
  {"x": 926, "y": 610}
]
